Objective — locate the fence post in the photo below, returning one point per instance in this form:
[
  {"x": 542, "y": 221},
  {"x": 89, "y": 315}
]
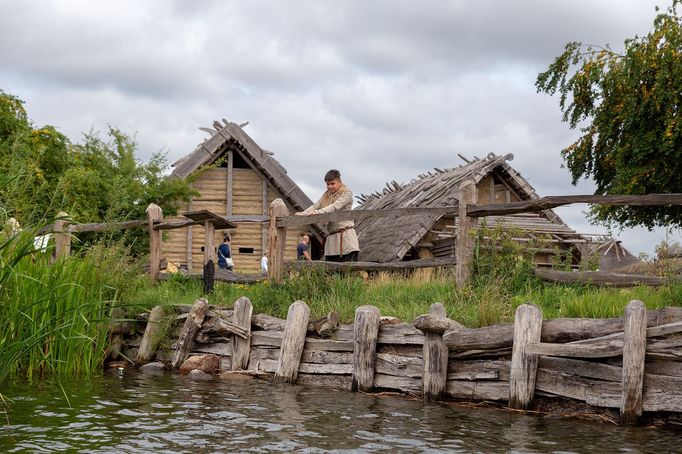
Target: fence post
[
  {"x": 209, "y": 256},
  {"x": 634, "y": 352},
  {"x": 464, "y": 246},
  {"x": 151, "y": 337},
  {"x": 435, "y": 375},
  {"x": 62, "y": 238},
  {"x": 241, "y": 348},
  {"x": 293, "y": 342},
  {"x": 527, "y": 330},
  {"x": 277, "y": 238},
  {"x": 154, "y": 213},
  {"x": 365, "y": 335}
]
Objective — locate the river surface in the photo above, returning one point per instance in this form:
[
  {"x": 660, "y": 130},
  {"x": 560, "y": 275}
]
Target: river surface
[{"x": 138, "y": 413}]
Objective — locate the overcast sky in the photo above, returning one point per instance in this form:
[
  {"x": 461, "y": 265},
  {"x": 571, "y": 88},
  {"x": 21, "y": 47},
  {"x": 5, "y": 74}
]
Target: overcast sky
[{"x": 381, "y": 90}]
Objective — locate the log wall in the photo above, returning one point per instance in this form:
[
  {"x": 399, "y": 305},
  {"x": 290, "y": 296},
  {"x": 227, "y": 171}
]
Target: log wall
[{"x": 247, "y": 199}]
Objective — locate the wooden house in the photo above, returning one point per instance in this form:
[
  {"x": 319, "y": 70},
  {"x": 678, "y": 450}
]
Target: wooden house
[
  {"x": 425, "y": 236},
  {"x": 238, "y": 180}
]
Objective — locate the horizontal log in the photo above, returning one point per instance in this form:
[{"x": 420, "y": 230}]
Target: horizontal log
[
  {"x": 400, "y": 366},
  {"x": 407, "y": 385},
  {"x": 477, "y": 390},
  {"x": 400, "y": 334},
  {"x": 549, "y": 202},
  {"x": 107, "y": 226},
  {"x": 605, "y": 350},
  {"x": 356, "y": 215},
  {"x": 594, "y": 392},
  {"x": 371, "y": 266},
  {"x": 267, "y": 365},
  {"x": 601, "y": 278},
  {"x": 479, "y": 370},
  {"x": 342, "y": 382}
]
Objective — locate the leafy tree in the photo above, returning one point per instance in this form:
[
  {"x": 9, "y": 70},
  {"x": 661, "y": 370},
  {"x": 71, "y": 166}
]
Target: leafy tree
[
  {"x": 628, "y": 108},
  {"x": 97, "y": 180}
]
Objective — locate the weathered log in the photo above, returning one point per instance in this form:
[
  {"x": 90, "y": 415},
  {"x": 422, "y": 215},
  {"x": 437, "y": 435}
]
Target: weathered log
[
  {"x": 634, "y": 351},
  {"x": 435, "y": 359},
  {"x": 217, "y": 327},
  {"x": 356, "y": 215},
  {"x": 208, "y": 277},
  {"x": 277, "y": 237},
  {"x": 593, "y": 392},
  {"x": 556, "y": 331},
  {"x": 154, "y": 214},
  {"x": 151, "y": 337},
  {"x": 398, "y": 365},
  {"x": 293, "y": 341},
  {"x": 478, "y": 390},
  {"x": 366, "y": 332},
  {"x": 400, "y": 334},
  {"x": 549, "y": 202},
  {"x": 527, "y": 328},
  {"x": 189, "y": 330},
  {"x": 371, "y": 266},
  {"x": 601, "y": 278},
  {"x": 464, "y": 243},
  {"x": 62, "y": 238},
  {"x": 604, "y": 350},
  {"x": 241, "y": 346}
]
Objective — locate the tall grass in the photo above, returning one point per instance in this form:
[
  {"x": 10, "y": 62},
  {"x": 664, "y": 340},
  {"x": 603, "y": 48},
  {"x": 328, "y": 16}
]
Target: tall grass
[{"x": 53, "y": 315}]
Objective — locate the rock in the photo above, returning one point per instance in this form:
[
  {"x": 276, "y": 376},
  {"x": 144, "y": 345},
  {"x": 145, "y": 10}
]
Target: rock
[
  {"x": 207, "y": 363},
  {"x": 196, "y": 374},
  {"x": 156, "y": 366}
]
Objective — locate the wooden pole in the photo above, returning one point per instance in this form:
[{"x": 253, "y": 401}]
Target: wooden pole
[
  {"x": 464, "y": 244},
  {"x": 241, "y": 348},
  {"x": 277, "y": 238},
  {"x": 151, "y": 337},
  {"x": 365, "y": 335},
  {"x": 435, "y": 353},
  {"x": 62, "y": 238},
  {"x": 293, "y": 342},
  {"x": 154, "y": 213},
  {"x": 527, "y": 330},
  {"x": 634, "y": 351},
  {"x": 209, "y": 242},
  {"x": 189, "y": 330}
]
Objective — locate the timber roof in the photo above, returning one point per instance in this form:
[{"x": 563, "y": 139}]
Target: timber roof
[
  {"x": 390, "y": 238},
  {"x": 228, "y": 135}
]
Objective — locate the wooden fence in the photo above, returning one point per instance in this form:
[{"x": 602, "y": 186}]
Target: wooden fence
[
  {"x": 632, "y": 363},
  {"x": 279, "y": 220}
]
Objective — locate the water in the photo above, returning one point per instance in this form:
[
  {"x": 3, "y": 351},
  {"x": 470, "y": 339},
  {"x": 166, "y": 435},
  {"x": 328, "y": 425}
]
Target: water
[{"x": 171, "y": 413}]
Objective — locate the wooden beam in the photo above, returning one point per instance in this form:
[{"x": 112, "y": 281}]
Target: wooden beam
[
  {"x": 230, "y": 179},
  {"x": 371, "y": 266},
  {"x": 62, "y": 241},
  {"x": 356, "y": 215},
  {"x": 464, "y": 244},
  {"x": 634, "y": 351},
  {"x": 546, "y": 203},
  {"x": 365, "y": 334},
  {"x": 154, "y": 213},
  {"x": 277, "y": 241},
  {"x": 524, "y": 364},
  {"x": 293, "y": 341},
  {"x": 601, "y": 278}
]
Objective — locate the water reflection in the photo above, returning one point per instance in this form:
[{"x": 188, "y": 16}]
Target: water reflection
[{"x": 171, "y": 413}]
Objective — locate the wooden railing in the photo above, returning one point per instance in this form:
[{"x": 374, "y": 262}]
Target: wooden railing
[{"x": 465, "y": 211}]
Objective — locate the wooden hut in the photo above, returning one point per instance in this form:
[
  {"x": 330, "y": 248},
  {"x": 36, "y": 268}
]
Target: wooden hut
[
  {"x": 426, "y": 236},
  {"x": 236, "y": 179}
]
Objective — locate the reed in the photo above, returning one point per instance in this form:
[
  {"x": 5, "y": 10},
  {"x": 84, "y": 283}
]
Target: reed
[{"x": 52, "y": 315}]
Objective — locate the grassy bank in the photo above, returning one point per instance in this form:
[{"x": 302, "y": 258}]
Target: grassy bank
[{"x": 490, "y": 299}]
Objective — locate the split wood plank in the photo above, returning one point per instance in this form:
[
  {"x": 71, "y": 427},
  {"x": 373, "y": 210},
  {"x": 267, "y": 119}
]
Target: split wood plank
[
  {"x": 189, "y": 330},
  {"x": 293, "y": 341},
  {"x": 366, "y": 332},
  {"x": 151, "y": 337},
  {"x": 527, "y": 329},
  {"x": 241, "y": 347},
  {"x": 634, "y": 351}
]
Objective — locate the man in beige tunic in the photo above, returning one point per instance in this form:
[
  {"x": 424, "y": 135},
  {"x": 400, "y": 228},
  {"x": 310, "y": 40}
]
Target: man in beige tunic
[{"x": 342, "y": 241}]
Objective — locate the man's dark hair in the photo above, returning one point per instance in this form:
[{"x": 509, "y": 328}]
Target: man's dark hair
[{"x": 332, "y": 175}]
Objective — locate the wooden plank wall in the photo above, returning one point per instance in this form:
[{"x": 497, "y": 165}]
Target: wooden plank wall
[{"x": 247, "y": 187}]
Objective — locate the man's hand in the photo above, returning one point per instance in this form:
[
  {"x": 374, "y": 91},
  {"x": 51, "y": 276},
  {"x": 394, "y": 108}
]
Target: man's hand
[{"x": 301, "y": 213}]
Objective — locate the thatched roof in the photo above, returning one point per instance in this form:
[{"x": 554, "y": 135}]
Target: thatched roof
[
  {"x": 390, "y": 238},
  {"x": 230, "y": 136}
]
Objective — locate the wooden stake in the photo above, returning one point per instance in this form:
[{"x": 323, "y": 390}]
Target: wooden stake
[
  {"x": 435, "y": 353},
  {"x": 527, "y": 330},
  {"x": 189, "y": 330},
  {"x": 154, "y": 213},
  {"x": 151, "y": 337},
  {"x": 209, "y": 242},
  {"x": 241, "y": 348},
  {"x": 634, "y": 351},
  {"x": 365, "y": 334},
  {"x": 293, "y": 342},
  {"x": 62, "y": 238},
  {"x": 464, "y": 244},
  {"x": 276, "y": 241}
]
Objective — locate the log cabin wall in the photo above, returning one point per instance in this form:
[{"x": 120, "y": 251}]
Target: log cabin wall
[{"x": 184, "y": 246}]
